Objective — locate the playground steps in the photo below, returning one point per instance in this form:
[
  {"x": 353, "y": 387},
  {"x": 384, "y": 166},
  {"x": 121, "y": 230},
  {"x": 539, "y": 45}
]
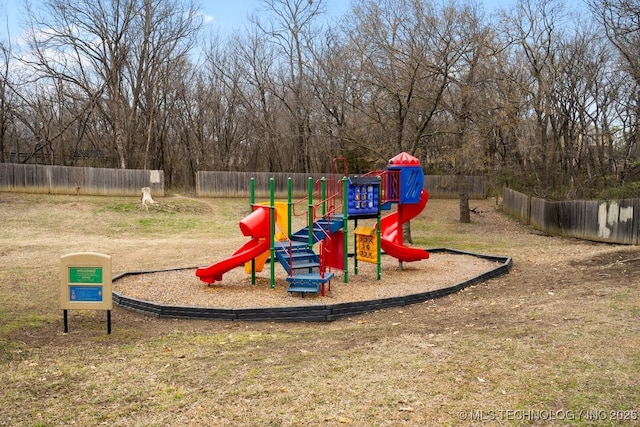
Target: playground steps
[
  {"x": 303, "y": 267},
  {"x": 322, "y": 228},
  {"x": 311, "y": 282},
  {"x": 301, "y": 262},
  {"x": 295, "y": 255}
]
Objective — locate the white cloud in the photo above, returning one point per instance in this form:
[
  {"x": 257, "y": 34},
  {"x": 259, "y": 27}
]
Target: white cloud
[{"x": 207, "y": 18}]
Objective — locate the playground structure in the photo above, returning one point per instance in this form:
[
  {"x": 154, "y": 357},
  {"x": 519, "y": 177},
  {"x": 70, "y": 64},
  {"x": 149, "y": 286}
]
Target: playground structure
[{"x": 330, "y": 204}]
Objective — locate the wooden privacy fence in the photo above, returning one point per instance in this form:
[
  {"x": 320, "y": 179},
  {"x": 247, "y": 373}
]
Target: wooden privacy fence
[
  {"x": 446, "y": 186},
  {"x": 79, "y": 180},
  {"x": 596, "y": 220},
  {"x": 128, "y": 182},
  {"x": 237, "y": 184}
]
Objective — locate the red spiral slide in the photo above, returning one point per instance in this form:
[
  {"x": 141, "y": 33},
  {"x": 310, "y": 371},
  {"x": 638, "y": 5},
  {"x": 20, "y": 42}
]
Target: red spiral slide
[
  {"x": 391, "y": 231},
  {"x": 255, "y": 225}
]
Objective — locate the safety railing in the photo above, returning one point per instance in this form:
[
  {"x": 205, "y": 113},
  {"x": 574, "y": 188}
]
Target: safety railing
[{"x": 389, "y": 185}]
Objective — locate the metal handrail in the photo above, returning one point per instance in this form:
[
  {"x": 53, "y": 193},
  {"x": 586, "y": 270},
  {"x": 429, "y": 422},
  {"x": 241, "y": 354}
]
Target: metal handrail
[
  {"x": 333, "y": 199},
  {"x": 389, "y": 185}
]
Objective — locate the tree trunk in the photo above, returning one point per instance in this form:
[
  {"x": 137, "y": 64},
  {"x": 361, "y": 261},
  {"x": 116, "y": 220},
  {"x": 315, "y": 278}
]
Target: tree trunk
[
  {"x": 406, "y": 232},
  {"x": 463, "y": 188}
]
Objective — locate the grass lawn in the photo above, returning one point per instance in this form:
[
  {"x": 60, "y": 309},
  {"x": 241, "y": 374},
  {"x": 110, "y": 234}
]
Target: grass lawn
[{"x": 554, "y": 342}]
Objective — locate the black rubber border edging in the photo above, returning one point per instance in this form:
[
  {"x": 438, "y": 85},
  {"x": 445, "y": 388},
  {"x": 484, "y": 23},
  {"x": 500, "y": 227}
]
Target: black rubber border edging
[{"x": 312, "y": 313}]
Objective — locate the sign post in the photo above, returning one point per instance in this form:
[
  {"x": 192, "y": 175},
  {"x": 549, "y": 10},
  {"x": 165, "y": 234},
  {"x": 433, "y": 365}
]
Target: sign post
[{"x": 85, "y": 284}]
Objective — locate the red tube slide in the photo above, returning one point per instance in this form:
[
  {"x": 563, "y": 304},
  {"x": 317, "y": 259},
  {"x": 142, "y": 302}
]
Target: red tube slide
[
  {"x": 391, "y": 231},
  {"x": 255, "y": 225}
]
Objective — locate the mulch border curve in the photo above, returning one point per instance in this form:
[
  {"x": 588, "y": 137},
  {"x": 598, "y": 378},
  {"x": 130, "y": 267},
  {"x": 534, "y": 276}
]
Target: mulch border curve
[{"x": 312, "y": 313}]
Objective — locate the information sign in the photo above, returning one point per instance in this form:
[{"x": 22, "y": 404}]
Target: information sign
[
  {"x": 85, "y": 274},
  {"x": 85, "y": 283},
  {"x": 85, "y": 293}
]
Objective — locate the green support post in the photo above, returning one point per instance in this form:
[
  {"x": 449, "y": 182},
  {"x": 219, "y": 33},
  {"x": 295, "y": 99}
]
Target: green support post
[
  {"x": 345, "y": 219},
  {"x": 252, "y": 192},
  {"x": 272, "y": 230}
]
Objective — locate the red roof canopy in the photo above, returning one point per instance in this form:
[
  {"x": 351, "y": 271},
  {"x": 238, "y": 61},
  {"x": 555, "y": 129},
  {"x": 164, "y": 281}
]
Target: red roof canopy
[{"x": 404, "y": 159}]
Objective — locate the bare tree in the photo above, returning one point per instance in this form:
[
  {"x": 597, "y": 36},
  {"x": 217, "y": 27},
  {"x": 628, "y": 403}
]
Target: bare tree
[
  {"x": 266, "y": 148},
  {"x": 402, "y": 75},
  {"x": 467, "y": 99},
  {"x": 565, "y": 112},
  {"x": 338, "y": 88},
  {"x": 622, "y": 27},
  {"x": 520, "y": 97},
  {"x": 116, "y": 53},
  {"x": 85, "y": 44},
  {"x": 537, "y": 34},
  {"x": 221, "y": 105},
  {"x": 5, "y": 96},
  {"x": 159, "y": 58},
  {"x": 290, "y": 27}
]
